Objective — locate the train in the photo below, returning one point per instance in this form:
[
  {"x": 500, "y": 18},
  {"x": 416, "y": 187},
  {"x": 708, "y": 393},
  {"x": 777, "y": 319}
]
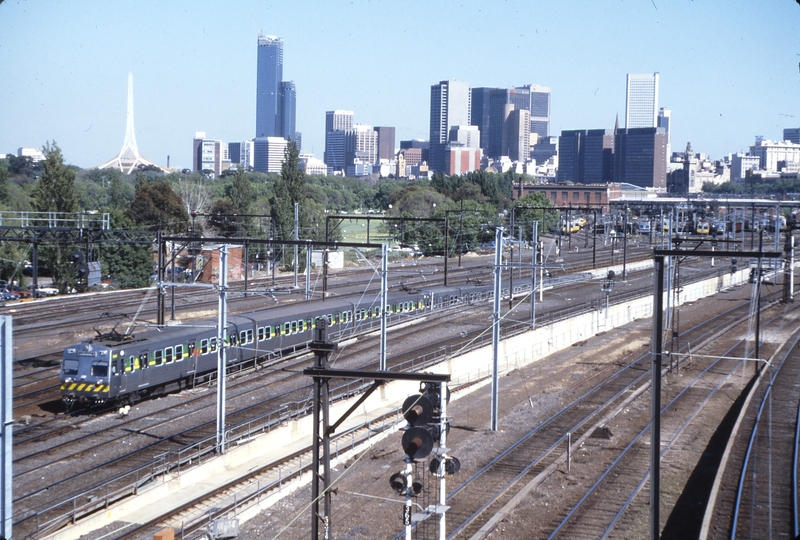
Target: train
[{"x": 113, "y": 368}]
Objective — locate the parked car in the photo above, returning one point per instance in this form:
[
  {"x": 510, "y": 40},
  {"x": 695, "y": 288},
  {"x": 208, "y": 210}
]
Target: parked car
[
  {"x": 23, "y": 293},
  {"x": 42, "y": 292},
  {"x": 6, "y": 295}
]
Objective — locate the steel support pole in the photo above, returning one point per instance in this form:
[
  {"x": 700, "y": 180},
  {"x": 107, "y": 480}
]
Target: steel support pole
[
  {"x": 384, "y": 289},
  {"x": 446, "y": 246},
  {"x": 320, "y": 487},
  {"x": 511, "y": 259},
  {"x": 534, "y": 258},
  {"x": 308, "y": 269},
  {"x": 246, "y": 266},
  {"x": 222, "y": 354},
  {"x": 6, "y": 367},
  {"x": 325, "y": 263},
  {"x": 442, "y": 445},
  {"x": 498, "y": 268},
  {"x": 655, "y": 405},
  {"x": 296, "y": 237},
  {"x": 160, "y": 298}
]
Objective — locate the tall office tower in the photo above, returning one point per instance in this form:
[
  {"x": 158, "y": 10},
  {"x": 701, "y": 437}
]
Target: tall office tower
[
  {"x": 641, "y": 101},
  {"x": 598, "y": 156},
  {"x": 336, "y": 124},
  {"x": 450, "y": 106},
  {"x": 640, "y": 157},
  {"x": 570, "y": 155},
  {"x": 664, "y": 120},
  {"x": 288, "y": 112},
  {"x": 269, "y": 76},
  {"x": 361, "y": 146},
  {"x": 539, "y": 107},
  {"x": 385, "y": 142},
  {"x": 479, "y": 114},
  {"x": 517, "y": 134},
  {"x": 269, "y": 153},
  {"x": 792, "y": 135}
]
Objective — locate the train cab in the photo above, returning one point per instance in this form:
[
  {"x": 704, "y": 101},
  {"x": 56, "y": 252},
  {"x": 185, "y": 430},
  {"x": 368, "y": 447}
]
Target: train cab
[
  {"x": 703, "y": 228},
  {"x": 86, "y": 374}
]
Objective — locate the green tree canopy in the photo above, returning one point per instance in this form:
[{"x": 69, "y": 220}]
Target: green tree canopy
[
  {"x": 157, "y": 205},
  {"x": 55, "y": 190},
  {"x": 289, "y": 188}
]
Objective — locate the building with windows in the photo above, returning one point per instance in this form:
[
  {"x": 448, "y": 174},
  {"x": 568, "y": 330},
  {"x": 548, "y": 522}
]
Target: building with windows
[
  {"x": 269, "y": 154},
  {"x": 241, "y": 154},
  {"x": 792, "y": 135},
  {"x": 269, "y": 78},
  {"x": 209, "y": 156},
  {"x": 772, "y": 153},
  {"x": 640, "y": 157},
  {"x": 361, "y": 147},
  {"x": 385, "y": 142},
  {"x": 517, "y": 134},
  {"x": 289, "y": 112},
  {"x": 741, "y": 163},
  {"x": 641, "y": 101},
  {"x": 337, "y": 123},
  {"x": 575, "y": 195},
  {"x": 450, "y": 106}
]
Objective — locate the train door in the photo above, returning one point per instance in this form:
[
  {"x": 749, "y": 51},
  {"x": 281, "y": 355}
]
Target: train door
[{"x": 144, "y": 369}]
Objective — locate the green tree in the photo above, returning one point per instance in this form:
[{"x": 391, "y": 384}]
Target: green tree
[
  {"x": 3, "y": 181},
  {"x": 156, "y": 205},
  {"x": 289, "y": 188},
  {"x": 535, "y": 207},
  {"x": 129, "y": 265},
  {"x": 55, "y": 190},
  {"x": 242, "y": 196}
]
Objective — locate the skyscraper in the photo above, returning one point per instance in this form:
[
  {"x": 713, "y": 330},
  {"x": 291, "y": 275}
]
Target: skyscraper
[
  {"x": 275, "y": 100},
  {"x": 640, "y": 157},
  {"x": 269, "y": 77},
  {"x": 664, "y": 119},
  {"x": 450, "y": 106},
  {"x": 336, "y": 124},
  {"x": 641, "y": 101}
]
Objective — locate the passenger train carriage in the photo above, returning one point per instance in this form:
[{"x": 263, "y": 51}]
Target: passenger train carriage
[{"x": 133, "y": 367}]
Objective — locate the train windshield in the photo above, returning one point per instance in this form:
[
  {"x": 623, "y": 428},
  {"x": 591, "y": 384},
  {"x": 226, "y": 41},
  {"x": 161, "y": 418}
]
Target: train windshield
[
  {"x": 70, "y": 367},
  {"x": 99, "y": 369}
]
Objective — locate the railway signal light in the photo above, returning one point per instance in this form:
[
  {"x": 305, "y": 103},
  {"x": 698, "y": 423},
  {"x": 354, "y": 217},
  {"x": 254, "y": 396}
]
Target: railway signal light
[
  {"x": 399, "y": 483},
  {"x": 451, "y": 466},
  {"x": 734, "y": 268}
]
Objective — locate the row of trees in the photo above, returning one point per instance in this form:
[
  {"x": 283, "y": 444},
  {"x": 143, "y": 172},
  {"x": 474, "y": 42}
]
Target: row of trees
[{"x": 243, "y": 204}]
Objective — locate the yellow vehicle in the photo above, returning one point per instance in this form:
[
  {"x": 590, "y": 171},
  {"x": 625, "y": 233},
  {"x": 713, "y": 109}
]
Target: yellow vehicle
[{"x": 703, "y": 228}]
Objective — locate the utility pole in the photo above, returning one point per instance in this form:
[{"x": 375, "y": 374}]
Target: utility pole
[
  {"x": 296, "y": 238},
  {"x": 222, "y": 363}
]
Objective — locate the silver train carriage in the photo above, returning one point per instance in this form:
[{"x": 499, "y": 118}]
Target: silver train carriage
[{"x": 151, "y": 362}]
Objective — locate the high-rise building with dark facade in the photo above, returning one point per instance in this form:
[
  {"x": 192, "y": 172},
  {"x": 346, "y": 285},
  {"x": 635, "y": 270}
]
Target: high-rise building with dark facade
[
  {"x": 640, "y": 157},
  {"x": 385, "y": 142},
  {"x": 450, "y": 106},
  {"x": 288, "y": 111},
  {"x": 275, "y": 98},
  {"x": 490, "y": 114},
  {"x": 337, "y": 123},
  {"x": 269, "y": 77},
  {"x": 598, "y": 156},
  {"x": 586, "y": 157},
  {"x": 570, "y": 156}
]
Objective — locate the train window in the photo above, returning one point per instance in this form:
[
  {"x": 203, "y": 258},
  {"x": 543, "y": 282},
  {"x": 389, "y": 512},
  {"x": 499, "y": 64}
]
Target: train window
[
  {"x": 203, "y": 346},
  {"x": 294, "y": 327},
  {"x": 376, "y": 312},
  {"x": 243, "y": 337},
  {"x": 179, "y": 352},
  {"x": 129, "y": 364},
  {"x": 158, "y": 357},
  {"x": 143, "y": 360},
  {"x": 169, "y": 355},
  {"x": 359, "y": 313},
  {"x": 114, "y": 368},
  {"x": 250, "y": 336},
  {"x": 262, "y": 333},
  {"x": 99, "y": 369},
  {"x": 212, "y": 344},
  {"x": 70, "y": 367}
]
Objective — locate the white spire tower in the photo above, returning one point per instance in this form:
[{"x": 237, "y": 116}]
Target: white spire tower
[{"x": 129, "y": 157}]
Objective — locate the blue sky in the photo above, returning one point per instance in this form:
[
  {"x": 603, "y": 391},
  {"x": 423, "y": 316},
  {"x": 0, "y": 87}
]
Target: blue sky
[{"x": 729, "y": 70}]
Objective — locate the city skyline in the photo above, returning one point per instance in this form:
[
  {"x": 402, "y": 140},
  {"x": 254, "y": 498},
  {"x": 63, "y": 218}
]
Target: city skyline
[{"x": 194, "y": 70}]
